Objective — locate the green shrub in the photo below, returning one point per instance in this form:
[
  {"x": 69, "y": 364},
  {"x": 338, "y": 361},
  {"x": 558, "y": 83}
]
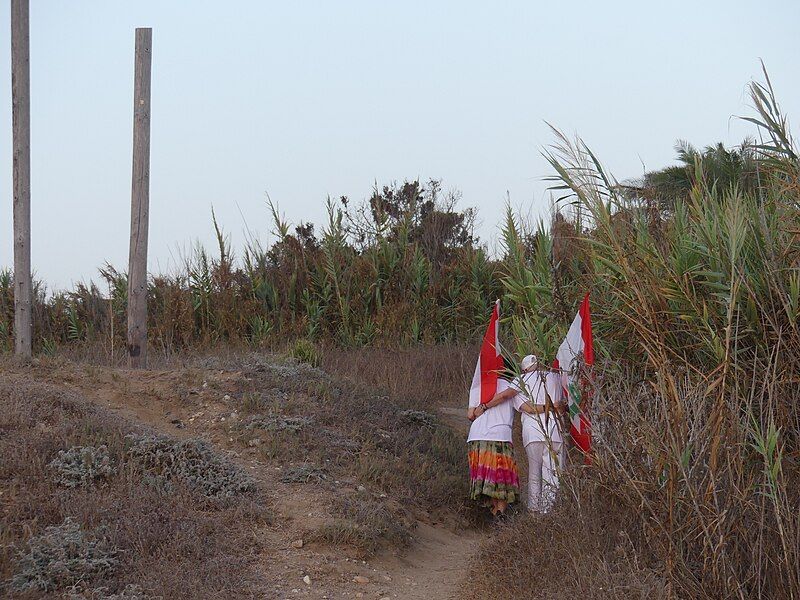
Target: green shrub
[
  {"x": 304, "y": 474},
  {"x": 305, "y": 351}
]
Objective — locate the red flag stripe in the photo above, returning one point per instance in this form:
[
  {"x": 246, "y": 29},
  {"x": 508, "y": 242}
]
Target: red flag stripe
[
  {"x": 490, "y": 359},
  {"x": 584, "y": 438},
  {"x": 586, "y": 331}
]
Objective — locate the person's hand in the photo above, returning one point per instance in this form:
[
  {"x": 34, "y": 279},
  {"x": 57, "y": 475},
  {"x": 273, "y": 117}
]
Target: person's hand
[{"x": 473, "y": 413}]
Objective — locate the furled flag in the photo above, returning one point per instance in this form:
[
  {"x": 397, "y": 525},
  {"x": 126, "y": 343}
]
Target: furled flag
[
  {"x": 490, "y": 363},
  {"x": 577, "y": 344}
]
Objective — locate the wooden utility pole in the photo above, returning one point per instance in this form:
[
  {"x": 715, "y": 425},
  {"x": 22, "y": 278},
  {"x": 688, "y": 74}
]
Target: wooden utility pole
[
  {"x": 140, "y": 202},
  {"x": 21, "y": 125}
]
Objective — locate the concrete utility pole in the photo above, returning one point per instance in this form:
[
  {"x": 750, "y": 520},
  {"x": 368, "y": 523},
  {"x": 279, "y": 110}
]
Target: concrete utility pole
[
  {"x": 21, "y": 126},
  {"x": 140, "y": 202}
]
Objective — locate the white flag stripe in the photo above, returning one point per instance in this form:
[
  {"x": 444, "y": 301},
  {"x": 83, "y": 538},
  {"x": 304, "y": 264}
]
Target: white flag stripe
[
  {"x": 475, "y": 390},
  {"x": 569, "y": 350}
]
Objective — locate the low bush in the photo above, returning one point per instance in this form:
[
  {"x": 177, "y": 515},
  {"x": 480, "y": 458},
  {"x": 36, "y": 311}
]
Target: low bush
[
  {"x": 305, "y": 351},
  {"x": 192, "y": 463},
  {"x": 304, "y": 474},
  {"x": 61, "y": 556},
  {"x": 419, "y": 417},
  {"x": 358, "y": 431},
  {"x": 274, "y": 422},
  {"x": 83, "y": 465},
  {"x": 131, "y": 591},
  {"x": 123, "y": 540}
]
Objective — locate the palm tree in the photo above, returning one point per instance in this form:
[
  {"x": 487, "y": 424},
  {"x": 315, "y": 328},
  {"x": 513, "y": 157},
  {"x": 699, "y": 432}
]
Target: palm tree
[{"x": 714, "y": 166}]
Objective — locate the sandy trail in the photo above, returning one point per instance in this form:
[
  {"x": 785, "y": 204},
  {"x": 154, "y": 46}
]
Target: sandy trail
[{"x": 435, "y": 565}]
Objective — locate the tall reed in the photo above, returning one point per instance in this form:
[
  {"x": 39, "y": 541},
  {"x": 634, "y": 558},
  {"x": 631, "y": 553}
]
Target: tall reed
[{"x": 695, "y": 306}]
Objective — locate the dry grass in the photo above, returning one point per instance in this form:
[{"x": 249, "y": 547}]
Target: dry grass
[
  {"x": 695, "y": 408},
  {"x": 302, "y": 416},
  {"x": 365, "y": 524},
  {"x": 421, "y": 376},
  {"x": 331, "y": 436},
  {"x": 584, "y": 549},
  {"x": 175, "y": 545}
]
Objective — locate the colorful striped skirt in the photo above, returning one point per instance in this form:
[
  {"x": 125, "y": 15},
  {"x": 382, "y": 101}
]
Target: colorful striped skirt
[{"x": 493, "y": 471}]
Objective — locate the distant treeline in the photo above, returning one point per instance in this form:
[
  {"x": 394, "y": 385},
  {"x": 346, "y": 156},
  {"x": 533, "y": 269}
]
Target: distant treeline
[{"x": 402, "y": 267}]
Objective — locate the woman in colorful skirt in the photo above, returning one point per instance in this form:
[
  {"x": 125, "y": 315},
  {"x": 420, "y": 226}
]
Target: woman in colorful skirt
[{"x": 494, "y": 481}]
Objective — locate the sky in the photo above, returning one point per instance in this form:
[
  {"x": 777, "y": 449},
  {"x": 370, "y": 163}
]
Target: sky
[{"x": 302, "y": 100}]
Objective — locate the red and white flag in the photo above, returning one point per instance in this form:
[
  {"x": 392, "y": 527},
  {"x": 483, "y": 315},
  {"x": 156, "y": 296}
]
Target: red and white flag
[
  {"x": 578, "y": 344},
  {"x": 490, "y": 363}
]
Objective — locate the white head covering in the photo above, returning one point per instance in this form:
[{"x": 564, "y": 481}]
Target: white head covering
[{"x": 528, "y": 362}]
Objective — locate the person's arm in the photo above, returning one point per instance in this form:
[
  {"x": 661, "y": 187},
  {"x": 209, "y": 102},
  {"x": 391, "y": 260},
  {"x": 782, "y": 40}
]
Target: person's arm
[
  {"x": 533, "y": 409},
  {"x": 501, "y": 397},
  {"x": 476, "y": 411}
]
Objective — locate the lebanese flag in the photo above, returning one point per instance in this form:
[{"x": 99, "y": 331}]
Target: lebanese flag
[
  {"x": 577, "y": 344},
  {"x": 490, "y": 363}
]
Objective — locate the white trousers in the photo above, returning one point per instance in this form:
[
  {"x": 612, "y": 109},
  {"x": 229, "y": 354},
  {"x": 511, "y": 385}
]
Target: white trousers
[{"x": 543, "y": 465}]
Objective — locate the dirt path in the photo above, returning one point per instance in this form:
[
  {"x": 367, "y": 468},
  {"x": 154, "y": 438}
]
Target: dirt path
[
  {"x": 434, "y": 566},
  {"x": 176, "y": 403}
]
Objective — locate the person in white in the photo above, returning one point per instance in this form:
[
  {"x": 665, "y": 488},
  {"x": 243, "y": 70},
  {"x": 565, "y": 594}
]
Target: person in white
[
  {"x": 536, "y": 394},
  {"x": 494, "y": 480}
]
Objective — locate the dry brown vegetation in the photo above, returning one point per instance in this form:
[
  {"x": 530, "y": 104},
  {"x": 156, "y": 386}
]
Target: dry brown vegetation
[
  {"x": 176, "y": 544},
  {"x": 696, "y": 305},
  {"x": 93, "y": 502},
  {"x": 593, "y": 553},
  {"x": 422, "y": 376}
]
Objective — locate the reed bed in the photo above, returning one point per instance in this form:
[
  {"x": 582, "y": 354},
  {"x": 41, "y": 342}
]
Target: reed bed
[{"x": 693, "y": 487}]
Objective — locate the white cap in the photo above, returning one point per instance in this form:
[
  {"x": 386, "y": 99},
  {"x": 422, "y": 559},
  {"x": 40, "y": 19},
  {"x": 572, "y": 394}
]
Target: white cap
[{"x": 528, "y": 362}]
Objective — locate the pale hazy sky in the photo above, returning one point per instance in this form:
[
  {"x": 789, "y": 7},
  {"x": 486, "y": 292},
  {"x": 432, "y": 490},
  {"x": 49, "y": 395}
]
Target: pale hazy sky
[{"x": 307, "y": 99}]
